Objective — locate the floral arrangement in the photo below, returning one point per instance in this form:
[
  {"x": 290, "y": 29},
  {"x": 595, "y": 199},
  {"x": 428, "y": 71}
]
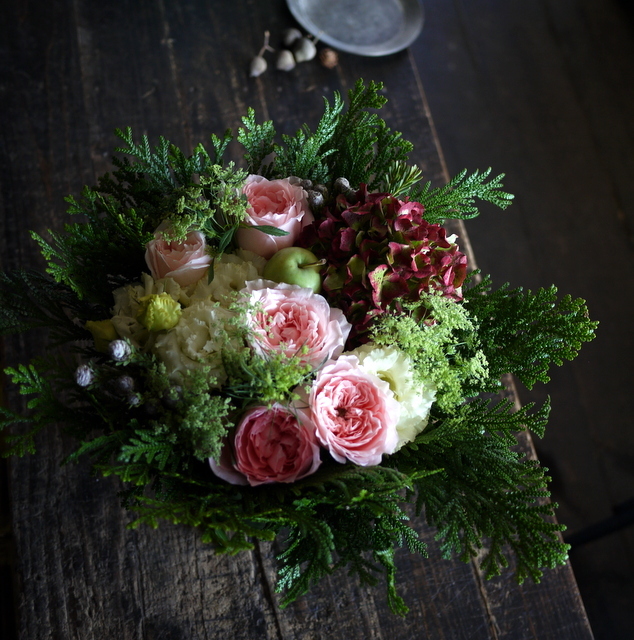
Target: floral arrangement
[{"x": 296, "y": 349}]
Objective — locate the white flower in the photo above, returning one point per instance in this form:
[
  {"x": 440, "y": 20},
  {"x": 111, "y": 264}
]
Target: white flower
[
  {"x": 415, "y": 398},
  {"x": 203, "y": 330},
  {"x": 231, "y": 273}
]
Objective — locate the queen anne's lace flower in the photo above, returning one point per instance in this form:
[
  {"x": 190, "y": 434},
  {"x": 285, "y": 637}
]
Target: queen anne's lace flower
[{"x": 415, "y": 398}]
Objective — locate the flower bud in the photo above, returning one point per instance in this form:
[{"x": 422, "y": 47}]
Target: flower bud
[
  {"x": 84, "y": 375},
  {"x": 159, "y": 312},
  {"x": 103, "y": 333}
]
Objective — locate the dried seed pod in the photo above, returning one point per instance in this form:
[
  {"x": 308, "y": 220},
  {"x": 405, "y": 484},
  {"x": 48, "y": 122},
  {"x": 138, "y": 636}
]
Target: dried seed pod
[
  {"x": 258, "y": 66},
  {"x": 304, "y": 49},
  {"x": 152, "y": 408},
  {"x": 322, "y": 188},
  {"x": 134, "y": 400},
  {"x": 342, "y": 185},
  {"x": 315, "y": 200},
  {"x": 84, "y": 375},
  {"x": 285, "y": 60},
  {"x": 329, "y": 58},
  {"x": 290, "y": 36},
  {"x": 119, "y": 350},
  {"x": 306, "y": 184},
  {"x": 124, "y": 384},
  {"x": 351, "y": 196}
]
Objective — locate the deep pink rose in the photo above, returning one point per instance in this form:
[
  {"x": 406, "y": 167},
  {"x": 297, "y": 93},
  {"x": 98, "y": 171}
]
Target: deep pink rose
[
  {"x": 355, "y": 412},
  {"x": 270, "y": 445},
  {"x": 277, "y": 203},
  {"x": 295, "y": 321},
  {"x": 186, "y": 262}
]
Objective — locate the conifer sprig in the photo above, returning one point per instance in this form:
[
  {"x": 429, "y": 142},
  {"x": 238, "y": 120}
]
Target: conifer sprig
[
  {"x": 456, "y": 200},
  {"x": 523, "y": 333}
]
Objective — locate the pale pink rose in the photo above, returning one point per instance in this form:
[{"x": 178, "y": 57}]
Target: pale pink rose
[
  {"x": 295, "y": 321},
  {"x": 270, "y": 445},
  {"x": 277, "y": 203},
  {"x": 186, "y": 262},
  {"x": 355, "y": 412}
]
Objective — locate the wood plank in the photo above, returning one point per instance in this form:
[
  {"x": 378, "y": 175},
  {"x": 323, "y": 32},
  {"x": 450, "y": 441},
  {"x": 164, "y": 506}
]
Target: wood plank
[
  {"x": 97, "y": 579},
  {"x": 542, "y": 91}
]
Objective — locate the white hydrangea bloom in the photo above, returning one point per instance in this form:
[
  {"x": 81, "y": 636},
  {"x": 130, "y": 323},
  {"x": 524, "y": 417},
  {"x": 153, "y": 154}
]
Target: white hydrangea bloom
[
  {"x": 396, "y": 368},
  {"x": 203, "y": 330},
  {"x": 231, "y": 272}
]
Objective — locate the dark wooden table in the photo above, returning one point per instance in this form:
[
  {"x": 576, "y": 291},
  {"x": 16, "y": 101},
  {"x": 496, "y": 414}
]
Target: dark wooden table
[{"x": 71, "y": 72}]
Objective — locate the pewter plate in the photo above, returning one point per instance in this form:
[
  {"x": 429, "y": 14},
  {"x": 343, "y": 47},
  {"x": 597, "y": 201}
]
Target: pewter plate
[{"x": 364, "y": 27}]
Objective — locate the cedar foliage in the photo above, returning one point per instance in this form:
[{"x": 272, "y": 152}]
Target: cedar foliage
[{"x": 463, "y": 471}]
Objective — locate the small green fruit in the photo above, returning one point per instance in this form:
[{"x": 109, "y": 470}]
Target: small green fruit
[{"x": 295, "y": 265}]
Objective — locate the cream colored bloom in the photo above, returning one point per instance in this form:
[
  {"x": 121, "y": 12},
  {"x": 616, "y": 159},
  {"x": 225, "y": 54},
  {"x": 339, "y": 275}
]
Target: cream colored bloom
[
  {"x": 203, "y": 330},
  {"x": 396, "y": 368},
  {"x": 231, "y": 272}
]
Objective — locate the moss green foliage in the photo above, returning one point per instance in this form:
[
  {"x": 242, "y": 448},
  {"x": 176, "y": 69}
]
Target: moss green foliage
[{"x": 464, "y": 471}]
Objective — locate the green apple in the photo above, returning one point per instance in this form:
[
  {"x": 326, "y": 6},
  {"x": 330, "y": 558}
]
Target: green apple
[{"x": 295, "y": 265}]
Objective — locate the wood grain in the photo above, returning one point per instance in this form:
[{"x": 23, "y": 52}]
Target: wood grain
[
  {"x": 78, "y": 70},
  {"x": 543, "y": 92}
]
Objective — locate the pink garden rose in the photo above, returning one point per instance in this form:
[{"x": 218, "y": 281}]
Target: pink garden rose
[
  {"x": 355, "y": 412},
  {"x": 186, "y": 262},
  {"x": 270, "y": 445},
  {"x": 295, "y": 321},
  {"x": 278, "y": 203}
]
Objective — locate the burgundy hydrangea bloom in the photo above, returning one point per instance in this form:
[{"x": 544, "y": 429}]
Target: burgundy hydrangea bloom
[{"x": 381, "y": 251}]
